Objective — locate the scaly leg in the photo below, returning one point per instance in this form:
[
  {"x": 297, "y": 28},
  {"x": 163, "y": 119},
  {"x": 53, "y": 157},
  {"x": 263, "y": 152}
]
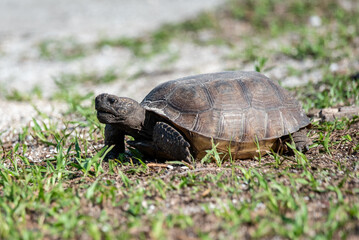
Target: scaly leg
[
  {"x": 167, "y": 143},
  {"x": 301, "y": 140},
  {"x": 113, "y": 136}
]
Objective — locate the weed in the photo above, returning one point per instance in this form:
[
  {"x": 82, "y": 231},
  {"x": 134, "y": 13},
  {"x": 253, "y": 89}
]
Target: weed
[
  {"x": 213, "y": 154},
  {"x": 95, "y": 162},
  {"x": 305, "y": 48},
  {"x": 259, "y": 156},
  {"x": 126, "y": 181},
  {"x": 259, "y": 65},
  {"x": 251, "y": 52},
  {"x": 158, "y": 41},
  {"x": 16, "y": 95},
  {"x": 247, "y": 174},
  {"x": 300, "y": 157},
  {"x": 311, "y": 180},
  {"x": 333, "y": 90},
  {"x": 276, "y": 157},
  {"x": 325, "y": 140},
  {"x": 66, "y": 49},
  {"x": 67, "y": 81}
]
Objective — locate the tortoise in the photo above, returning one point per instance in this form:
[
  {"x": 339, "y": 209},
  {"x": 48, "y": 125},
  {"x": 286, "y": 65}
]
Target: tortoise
[{"x": 178, "y": 119}]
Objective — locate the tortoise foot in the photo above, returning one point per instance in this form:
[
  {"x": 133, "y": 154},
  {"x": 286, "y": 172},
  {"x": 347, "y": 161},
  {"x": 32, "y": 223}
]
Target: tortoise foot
[{"x": 301, "y": 141}]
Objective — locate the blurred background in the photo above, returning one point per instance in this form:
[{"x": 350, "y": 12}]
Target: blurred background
[
  {"x": 66, "y": 50},
  {"x": 40, "y": 39}
]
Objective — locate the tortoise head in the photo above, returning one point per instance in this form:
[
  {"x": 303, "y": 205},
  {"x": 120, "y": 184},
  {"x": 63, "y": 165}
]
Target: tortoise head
[{"x": 112, "y": 109}]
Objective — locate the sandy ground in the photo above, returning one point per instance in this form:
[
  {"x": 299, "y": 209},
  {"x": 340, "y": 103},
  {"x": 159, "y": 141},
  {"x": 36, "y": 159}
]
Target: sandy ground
[{"x": 24, "y": 24}]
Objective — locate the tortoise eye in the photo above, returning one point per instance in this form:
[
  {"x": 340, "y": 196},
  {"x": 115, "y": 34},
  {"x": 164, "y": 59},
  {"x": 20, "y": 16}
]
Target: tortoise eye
[{"x": 112, "y": 100}]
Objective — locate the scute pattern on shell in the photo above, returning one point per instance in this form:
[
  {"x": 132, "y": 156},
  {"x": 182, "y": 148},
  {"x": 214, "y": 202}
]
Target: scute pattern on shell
[{"x": 230, "y": 106}]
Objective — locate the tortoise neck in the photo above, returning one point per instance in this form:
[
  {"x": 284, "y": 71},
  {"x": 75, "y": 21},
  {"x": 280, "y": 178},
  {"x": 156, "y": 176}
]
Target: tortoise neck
[
  {"x": 133, "y": 124},
  {"x": 137, "y": 119}
]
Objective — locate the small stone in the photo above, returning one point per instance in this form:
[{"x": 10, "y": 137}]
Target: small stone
[
  {"x": 334, "y": 67},
  {"x": 260, "y": 206},
  {"x": 151, "y": 208},
  {"x": 315, "y": 21},
  {"x": 144, "y": 204}
]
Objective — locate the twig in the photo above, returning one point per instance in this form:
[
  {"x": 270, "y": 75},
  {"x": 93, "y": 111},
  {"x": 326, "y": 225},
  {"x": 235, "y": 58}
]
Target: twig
[
  {"x": 187, "y": 164},
  {"x": 162, "y": 165}
]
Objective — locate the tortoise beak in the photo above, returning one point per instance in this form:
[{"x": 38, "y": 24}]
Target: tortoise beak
[
  {"x": 100, "y": 101},
  {"x": 104, "y": 107}
]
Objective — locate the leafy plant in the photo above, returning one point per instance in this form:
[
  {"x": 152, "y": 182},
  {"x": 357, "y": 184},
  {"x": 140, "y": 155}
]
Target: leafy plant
[{"x": 213, "y": 154}]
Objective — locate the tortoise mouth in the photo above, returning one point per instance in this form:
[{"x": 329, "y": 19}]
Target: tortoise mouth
[
  {"x": 105, "y": 116},
  {"x": 105, "y": 110}
]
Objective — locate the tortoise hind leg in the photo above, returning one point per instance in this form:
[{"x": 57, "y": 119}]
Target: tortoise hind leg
[
  {"x": 301, "y": 140},
  {"x": 171, "y": 142}
]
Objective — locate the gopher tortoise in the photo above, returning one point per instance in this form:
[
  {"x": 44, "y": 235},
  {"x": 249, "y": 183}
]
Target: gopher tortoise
[{"x": 180, "y": 118}]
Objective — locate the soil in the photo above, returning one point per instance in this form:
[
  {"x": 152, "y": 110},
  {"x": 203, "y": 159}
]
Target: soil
[{"x": 183, "y": 201}]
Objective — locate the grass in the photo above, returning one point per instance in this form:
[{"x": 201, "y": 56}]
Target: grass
[
  {"x": 73, "y": 193},
  {"x": 16, "y": 95},
  {"x": 66, "y": 49},
  {"x": 158, "y": 41},
  {"x": 332, "y": 90},
  {"x": 271, "y": 20},
  {"x": 54, "y": 183}
]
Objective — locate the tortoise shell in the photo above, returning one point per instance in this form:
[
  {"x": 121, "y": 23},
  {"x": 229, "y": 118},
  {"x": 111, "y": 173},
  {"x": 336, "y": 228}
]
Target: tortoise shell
[{"x": 235, "y": 109}]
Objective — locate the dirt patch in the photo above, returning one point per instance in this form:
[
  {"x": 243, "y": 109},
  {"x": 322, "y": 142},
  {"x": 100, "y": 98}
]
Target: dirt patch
[{"x": 205, "y": 199}]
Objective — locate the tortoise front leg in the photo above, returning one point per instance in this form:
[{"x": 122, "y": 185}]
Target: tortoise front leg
[
  {"x": 170, "y": 142},
  {"x": 115, "y": 137},
  {"x": 167, "y": 143}
]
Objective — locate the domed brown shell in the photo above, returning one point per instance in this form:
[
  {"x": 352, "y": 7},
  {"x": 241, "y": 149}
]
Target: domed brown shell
[{"x": 235, "y": 109}]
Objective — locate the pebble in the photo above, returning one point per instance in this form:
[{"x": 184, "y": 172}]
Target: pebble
[
  {"x": 260, "y": 206},
  {"x": 315, "y": 21},
  {"x": 334, "y": 67}
]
